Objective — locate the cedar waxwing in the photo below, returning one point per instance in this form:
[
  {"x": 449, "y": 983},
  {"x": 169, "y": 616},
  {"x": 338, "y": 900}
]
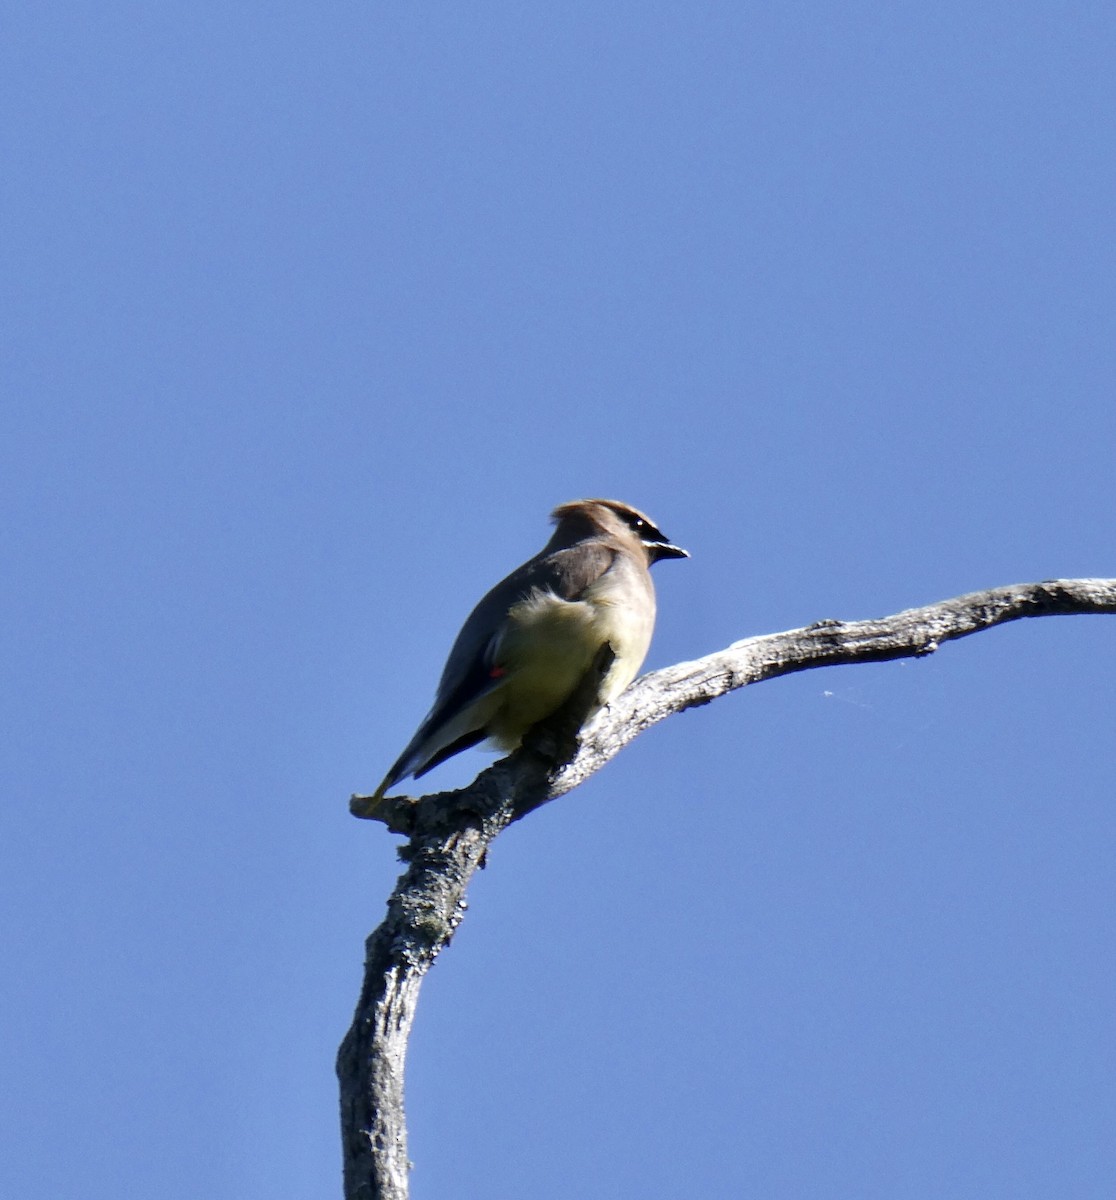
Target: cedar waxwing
[{"x": 528, "y": 644}]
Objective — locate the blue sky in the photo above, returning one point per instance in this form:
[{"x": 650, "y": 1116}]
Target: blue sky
[{"x": 310, "y": 317}]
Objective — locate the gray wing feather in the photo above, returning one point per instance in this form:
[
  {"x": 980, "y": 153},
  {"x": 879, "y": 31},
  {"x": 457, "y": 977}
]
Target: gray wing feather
[
  {"x": 467, "y": 676},
  {"x": 566, "y": 573}
]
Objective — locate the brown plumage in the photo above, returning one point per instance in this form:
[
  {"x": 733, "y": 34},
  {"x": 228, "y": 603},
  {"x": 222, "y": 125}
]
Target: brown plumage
[{"x": 529, "y": 642}]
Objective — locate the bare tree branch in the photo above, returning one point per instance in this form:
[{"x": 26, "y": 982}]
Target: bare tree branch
[{"x": 450, "y": 831}]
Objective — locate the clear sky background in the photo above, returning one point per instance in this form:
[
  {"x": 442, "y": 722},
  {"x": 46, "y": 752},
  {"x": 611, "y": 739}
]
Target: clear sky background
[{"x": 310, "y": 316}]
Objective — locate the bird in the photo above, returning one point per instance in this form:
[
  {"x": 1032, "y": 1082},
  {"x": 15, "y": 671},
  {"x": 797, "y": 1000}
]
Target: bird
[{"x": 529, "y": 642}]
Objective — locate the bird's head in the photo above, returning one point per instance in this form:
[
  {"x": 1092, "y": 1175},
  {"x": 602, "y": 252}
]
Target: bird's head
[{"x": 584, "y": 518}]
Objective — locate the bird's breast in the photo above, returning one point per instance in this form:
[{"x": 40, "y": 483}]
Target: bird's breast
[{"x": 549, "y": 644}]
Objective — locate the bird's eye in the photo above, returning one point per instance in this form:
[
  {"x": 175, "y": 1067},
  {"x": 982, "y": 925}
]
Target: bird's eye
[{"x": 638, "y": 523}]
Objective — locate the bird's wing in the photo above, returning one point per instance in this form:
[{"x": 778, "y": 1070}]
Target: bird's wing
[
  {"x": 473, "y": 667},
  {"x": 567, "y": 573},
  {"x": 474, "y": 670}
]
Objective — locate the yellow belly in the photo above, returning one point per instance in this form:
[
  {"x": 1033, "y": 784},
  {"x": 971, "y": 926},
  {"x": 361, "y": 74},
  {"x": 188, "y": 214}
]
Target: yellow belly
[{"x": 549, "y": 645}]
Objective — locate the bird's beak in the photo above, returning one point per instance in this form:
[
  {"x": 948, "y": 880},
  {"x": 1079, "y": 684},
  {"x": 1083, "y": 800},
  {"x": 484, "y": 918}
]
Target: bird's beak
[{"x": 658, "y": 550}]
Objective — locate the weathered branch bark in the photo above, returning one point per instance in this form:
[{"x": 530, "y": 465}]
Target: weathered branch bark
[{"x": 450, "y": 832}]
